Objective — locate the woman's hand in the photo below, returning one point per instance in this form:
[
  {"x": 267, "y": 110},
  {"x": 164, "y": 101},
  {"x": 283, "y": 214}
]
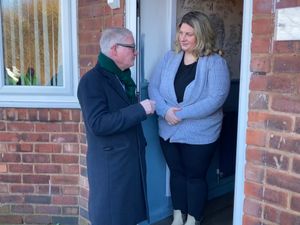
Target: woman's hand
[{"x": 171, "y": 117}]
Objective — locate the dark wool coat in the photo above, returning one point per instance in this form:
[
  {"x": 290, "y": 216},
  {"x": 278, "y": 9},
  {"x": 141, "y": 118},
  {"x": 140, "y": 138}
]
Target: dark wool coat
[{"x": 116, "y": 150}]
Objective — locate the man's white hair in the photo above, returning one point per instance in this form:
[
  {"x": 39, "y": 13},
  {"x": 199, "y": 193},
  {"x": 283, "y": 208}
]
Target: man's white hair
[{"x": 111, "y": 36}]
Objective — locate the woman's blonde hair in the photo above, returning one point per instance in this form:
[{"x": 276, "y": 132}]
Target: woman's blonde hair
[{"x": 205, "y": 36}]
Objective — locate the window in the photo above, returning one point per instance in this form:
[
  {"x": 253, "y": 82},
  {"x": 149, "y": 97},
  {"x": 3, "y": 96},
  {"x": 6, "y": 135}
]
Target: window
[{"x": 38, "y": 57}]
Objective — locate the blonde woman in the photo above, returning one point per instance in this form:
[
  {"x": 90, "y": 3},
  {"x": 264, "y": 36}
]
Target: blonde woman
[{"x": 190, "y": 85}]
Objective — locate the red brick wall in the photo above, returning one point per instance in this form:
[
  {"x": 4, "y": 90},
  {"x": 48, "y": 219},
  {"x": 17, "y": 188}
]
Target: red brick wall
[
  {"x": 42, "y": 151},
  {"x": 272, "y": 174},
  {"x": 39, "y": 166},
  {"x": 94, "y": 16}
]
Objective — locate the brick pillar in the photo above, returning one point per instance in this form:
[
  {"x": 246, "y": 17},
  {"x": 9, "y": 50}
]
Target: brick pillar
[{"x": 272, "y": 181}]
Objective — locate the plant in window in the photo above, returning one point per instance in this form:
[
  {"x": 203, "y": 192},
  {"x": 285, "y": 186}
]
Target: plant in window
[
  {"x": 12, "y": 76},
  {"x": 29, "y": 78}
]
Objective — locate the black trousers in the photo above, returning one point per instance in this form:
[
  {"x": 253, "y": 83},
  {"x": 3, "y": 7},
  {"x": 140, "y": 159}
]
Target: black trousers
[{"x": 188, "y": 166}]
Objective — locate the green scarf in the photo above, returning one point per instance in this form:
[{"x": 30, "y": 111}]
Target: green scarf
[{"x": 124, "y": 76}]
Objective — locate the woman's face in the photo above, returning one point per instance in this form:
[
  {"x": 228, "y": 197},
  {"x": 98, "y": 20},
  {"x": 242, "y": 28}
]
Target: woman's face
[{"x": 187, "y": 38}]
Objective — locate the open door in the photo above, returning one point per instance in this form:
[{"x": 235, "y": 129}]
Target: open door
[{"x": 154, "y": 38}]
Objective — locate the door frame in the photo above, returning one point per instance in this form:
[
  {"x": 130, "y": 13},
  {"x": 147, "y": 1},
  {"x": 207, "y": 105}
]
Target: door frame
[
  {"x": 131, "y": 23},
  {"x": 243, "y": 109}
]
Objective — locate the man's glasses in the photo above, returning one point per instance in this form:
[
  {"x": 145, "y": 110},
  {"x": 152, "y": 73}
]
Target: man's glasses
[{"x": 132, "y": 46}]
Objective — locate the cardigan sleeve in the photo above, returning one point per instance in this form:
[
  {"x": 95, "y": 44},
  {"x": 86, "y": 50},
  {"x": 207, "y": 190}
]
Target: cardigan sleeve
[
  {"x": 218, "y": 89},
  {"x": 154, "y": 85}
]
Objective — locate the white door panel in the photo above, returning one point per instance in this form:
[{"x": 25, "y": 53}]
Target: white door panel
[{"x": 157, "y": 32}]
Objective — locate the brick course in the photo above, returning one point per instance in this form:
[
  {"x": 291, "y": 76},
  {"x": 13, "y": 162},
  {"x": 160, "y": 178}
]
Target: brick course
[{"x": 39, "y": 166}]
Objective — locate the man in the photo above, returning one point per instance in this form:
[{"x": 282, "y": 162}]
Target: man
[{"x": 116, "y": 144}]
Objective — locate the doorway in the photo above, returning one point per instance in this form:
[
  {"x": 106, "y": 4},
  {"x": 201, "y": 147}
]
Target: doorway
[
  {"x": 155, "y": 35},
  {"x": 226, "y": 19}
]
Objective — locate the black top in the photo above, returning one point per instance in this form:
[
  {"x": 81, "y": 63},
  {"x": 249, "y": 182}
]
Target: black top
[{"x": 185, "y": 75}]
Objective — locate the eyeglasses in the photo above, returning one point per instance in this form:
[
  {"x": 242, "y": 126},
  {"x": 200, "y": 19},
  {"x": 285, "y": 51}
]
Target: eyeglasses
[{"x": 132, "y": 46}]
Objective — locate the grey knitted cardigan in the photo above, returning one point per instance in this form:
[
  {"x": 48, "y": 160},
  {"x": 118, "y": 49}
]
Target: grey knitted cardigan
[{"x": 201, "y": 109}]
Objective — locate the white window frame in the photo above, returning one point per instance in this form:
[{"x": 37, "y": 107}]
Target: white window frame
[{"x": 49, "y": 96}]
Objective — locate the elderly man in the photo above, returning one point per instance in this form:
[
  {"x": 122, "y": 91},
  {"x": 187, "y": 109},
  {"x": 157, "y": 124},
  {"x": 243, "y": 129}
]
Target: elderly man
[{"x": 116, "y": 143}]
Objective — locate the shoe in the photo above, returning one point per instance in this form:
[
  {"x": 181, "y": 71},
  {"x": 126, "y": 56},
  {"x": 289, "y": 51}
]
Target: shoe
[
  {"x": 177, "y": 217},
  {"x": 192, "y": 221}
]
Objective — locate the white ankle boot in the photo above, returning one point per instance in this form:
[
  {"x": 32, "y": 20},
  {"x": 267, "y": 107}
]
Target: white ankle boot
[
  {"x": 191, "y": 221},
  {"x": 177, "y": 217}
]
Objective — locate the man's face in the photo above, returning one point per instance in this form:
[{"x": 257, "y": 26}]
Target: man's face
[{"x": 125, "y": 53}]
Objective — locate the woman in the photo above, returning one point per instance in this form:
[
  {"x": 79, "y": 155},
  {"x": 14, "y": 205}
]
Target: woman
[{"x": 190, "y": 86}]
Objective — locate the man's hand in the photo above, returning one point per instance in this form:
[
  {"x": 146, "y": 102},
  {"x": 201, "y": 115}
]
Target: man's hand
[
  {"x": 149, "y": 106},
  {"x": 171, "y": 117}
]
